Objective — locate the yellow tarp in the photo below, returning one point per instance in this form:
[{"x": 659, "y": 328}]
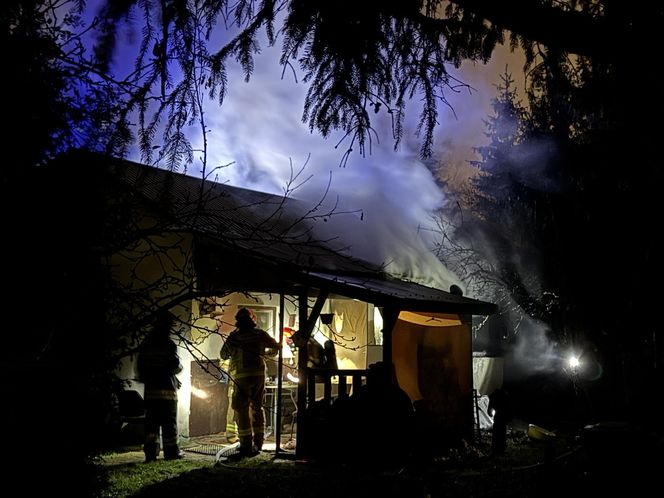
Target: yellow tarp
[{"x": 432, "y": 356}]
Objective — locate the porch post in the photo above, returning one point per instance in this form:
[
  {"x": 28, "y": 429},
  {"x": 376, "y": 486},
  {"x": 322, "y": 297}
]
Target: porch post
[
  {"x": 302, "y": 306},
  {"x": 307, "y": 323},
  {"x": 390, "y": 316},
  {"x": 280, "y": 368}
]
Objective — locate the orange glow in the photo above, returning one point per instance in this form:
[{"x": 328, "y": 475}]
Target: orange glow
[{"x": 430, "y": 319}]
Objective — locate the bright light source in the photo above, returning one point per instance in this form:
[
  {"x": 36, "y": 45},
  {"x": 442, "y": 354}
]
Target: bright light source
[
  {"x": 292, "y": 378},
  {"x": 199, "y": 393},
  {"x": 574, "y": 362}
]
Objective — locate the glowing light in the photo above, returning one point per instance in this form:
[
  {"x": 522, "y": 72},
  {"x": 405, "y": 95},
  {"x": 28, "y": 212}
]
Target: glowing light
[
  {"x": 574, "y": 362},
  {"x": 199, "y": 393},
  {"x": 430, "y": 319},
  {"x": 292, "y": 378},
  {"x": 286, "y": 352}
]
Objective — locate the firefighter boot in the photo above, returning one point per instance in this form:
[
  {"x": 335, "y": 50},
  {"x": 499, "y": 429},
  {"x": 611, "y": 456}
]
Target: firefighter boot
[
  {"x": 246, "y": 448},
  {"x": 258, "y": 443},
  {"x": 173, "y": 453}
]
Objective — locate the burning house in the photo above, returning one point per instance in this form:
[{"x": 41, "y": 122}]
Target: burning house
[{"x": 204, "y": 249}]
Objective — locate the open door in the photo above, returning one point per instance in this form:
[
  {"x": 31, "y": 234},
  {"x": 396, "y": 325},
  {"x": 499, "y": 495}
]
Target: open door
[{"x": 209, "y": 399}]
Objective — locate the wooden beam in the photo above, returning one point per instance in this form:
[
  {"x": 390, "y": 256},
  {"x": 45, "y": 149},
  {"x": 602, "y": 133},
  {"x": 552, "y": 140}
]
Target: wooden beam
[
  {"x": 303, "y": 304},
  {"x": 390, "y": 317},
  {"x": 307, "y": 322},
  {"x": 315, "y": 313},
  {"x": 280, "y": 370}
]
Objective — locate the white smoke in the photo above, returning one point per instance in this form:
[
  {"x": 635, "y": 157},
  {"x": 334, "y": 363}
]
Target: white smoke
[
  {"x": 534, "y": 352},
  {"x": 259, "y": 129}
]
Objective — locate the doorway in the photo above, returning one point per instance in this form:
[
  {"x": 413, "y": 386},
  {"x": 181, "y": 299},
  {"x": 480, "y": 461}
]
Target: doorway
[{"x": 209, "y": 399}]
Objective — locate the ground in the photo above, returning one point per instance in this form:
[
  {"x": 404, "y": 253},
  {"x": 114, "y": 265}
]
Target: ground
[{"x": 529, "y": 467}]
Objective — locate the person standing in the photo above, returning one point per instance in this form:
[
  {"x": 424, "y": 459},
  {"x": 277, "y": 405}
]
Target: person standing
[
  {"x": 157, "y": 366},
  {"x": 246, "y": 348},
  {"x": 500, "y": 406},
  {"x": 318, "y": 356}
]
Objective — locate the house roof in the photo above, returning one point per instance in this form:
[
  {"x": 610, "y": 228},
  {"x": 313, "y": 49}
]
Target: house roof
[
  {"x": 385, "y": 290},
  {"x": 276, "y": 235}
]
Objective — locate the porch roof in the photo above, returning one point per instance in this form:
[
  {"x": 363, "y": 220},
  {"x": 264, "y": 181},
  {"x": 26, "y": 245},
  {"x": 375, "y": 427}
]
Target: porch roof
[{"x": 386, "y": 290}]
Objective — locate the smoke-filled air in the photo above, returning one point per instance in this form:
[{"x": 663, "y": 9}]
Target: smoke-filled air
[{"x": 257, "y": 140}]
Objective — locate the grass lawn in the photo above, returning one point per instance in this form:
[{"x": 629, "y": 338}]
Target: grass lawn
[
  {"x": 459, "y": 474},
  {"x": 128, "y": 479},
  {"x": 260, "y": 476}
]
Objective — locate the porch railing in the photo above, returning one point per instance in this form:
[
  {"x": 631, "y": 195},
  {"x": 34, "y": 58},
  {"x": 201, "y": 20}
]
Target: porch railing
[{"x": 317, "y": 376}]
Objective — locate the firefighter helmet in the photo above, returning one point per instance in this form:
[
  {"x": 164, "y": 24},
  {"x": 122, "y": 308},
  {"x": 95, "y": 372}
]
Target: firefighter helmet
[{"x": 244, "y": 315}]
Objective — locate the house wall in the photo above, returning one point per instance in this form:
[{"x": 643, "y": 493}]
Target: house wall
[{"x": 156, "y": 270}]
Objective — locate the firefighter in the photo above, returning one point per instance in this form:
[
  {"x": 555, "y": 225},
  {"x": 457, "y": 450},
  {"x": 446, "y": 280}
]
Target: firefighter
[
  {"x": 500, "y": 405},
  {"x": 246, "y": 347},
  {"x": 231, "y": 426},
  {"x": 318, "y": 356},
  {"x": 157, "y": 366}
]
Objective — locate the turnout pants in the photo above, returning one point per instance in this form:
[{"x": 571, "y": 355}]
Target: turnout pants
[
  {"x": 161, "y": 413},
  {"x": 249, "y": 415}
]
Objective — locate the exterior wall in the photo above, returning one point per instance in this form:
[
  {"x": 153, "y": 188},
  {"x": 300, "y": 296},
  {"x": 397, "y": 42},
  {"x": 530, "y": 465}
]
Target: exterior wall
[{"x": 157, "y": 270}]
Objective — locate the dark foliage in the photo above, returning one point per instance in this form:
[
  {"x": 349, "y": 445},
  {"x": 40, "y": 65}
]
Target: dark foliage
[
  {"x": 357, "y": 58},
  {"x": 558, "y": 205}
]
